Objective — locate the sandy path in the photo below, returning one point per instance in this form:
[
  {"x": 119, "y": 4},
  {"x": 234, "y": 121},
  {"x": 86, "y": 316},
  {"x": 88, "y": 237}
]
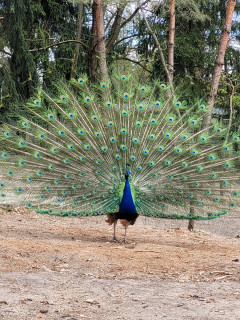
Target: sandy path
[{"x": 67, "y": 268}]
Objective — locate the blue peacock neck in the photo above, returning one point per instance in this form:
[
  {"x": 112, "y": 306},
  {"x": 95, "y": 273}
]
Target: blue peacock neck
[{"x": 127, "y": 209}]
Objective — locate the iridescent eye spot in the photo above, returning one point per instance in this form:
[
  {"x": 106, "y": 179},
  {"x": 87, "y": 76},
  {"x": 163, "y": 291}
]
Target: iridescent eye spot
[
  {"x": 63, "y": 98},
  {"x": 157, "y": 103},
  {"x": 108, "y": 104},
  {"x": 123, "y": 77},
  {"x": 80, "y": 80},
  {"x": 143, "y": 89},
  {"x": 192, "y": 122},
  {"x": 167, "y": 135},
  {"x": 36, "y": 102},
  {"x": 163, "y": 86},
  {"x": 126, "y": 95},
  {"x": 88, "y": 99}
]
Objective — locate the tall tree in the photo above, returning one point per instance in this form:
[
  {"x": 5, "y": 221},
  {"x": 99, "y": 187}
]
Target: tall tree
[
  {"x": 78, "y": 39},
  {"x": 171, "y": 40},
  {"x": 219, "y": 63}
]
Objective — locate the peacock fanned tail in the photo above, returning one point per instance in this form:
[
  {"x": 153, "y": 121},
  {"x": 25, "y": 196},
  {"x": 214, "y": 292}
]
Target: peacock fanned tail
[{"x": 66, "y": 153}]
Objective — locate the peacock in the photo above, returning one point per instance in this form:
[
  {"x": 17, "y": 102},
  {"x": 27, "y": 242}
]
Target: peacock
[{"x": 120, "y": 149}]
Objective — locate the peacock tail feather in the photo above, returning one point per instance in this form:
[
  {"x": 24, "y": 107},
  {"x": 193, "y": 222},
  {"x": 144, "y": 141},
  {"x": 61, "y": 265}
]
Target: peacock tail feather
[{"x": 66, "y": 153}]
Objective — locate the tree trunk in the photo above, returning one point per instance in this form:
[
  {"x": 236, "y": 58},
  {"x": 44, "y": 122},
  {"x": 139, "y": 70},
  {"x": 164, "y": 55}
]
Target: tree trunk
[
  {"x": 93, "y": 48},
  {"x": 171, "y": 41},
  {"x": 115, "y": 28},
  {"x": 78, "y": 38},
  {"x": 220, "y": 60},
  {"x": 101, "y": 41}
]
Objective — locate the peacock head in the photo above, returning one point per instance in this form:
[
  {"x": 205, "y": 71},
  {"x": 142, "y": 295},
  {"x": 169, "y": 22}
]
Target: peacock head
[{"x": 128, "y": 172}]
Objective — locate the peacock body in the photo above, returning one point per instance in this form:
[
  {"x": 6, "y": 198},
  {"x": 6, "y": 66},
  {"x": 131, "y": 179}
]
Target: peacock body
[{"x": 120, "y": 149}]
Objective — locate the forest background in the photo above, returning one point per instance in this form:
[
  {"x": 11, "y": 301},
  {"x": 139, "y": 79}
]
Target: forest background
[{"x": 177, "y": 42}]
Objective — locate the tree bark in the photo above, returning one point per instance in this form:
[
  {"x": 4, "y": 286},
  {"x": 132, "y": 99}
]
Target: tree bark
[
  {"x": 219, "y": 63},
  {"x": 101, "y": 41},
  {"x": 116, "y": 27},
  {"x": 171, "y": 41},
  {"x": 92, "y": 68},
  {"x": 78, "y": 39}
]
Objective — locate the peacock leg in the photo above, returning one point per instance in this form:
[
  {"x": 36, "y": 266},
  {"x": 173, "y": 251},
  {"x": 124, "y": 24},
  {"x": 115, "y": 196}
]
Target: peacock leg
[
  {"x": 125, "y": 237},
  {"x": 114, "y": 230}
]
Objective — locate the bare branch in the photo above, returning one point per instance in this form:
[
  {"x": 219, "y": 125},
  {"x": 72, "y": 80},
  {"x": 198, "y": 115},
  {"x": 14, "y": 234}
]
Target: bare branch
[
  {"x": 158, "y": 47},
  {"x": 58, "y": 44},
  {"x": 133, "y": 14},
  {"x": 125, "y": 38},
  {"x": 134, "y": 61}
]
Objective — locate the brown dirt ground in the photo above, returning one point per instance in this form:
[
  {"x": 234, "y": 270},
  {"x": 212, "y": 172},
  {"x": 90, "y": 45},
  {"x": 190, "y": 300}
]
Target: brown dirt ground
[{"x": 68, "y": 268}]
